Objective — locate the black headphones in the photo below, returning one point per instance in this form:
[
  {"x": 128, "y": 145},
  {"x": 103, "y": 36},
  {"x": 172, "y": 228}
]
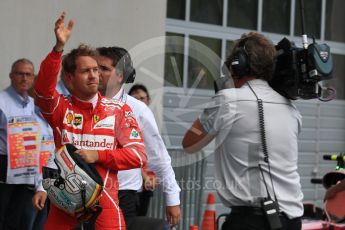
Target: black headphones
[
  {"x": 125, "y": 64},
  {"x": 239, "y": 63}
]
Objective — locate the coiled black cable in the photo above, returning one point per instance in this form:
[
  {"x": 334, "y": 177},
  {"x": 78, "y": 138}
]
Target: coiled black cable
[
  {"x": 264, "y": 142},
  {"x": 262, "y": 128}
]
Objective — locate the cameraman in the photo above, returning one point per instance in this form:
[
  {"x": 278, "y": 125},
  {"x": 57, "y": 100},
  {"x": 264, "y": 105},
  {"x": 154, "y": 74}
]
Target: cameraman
[{"x": 232, "y": 119}]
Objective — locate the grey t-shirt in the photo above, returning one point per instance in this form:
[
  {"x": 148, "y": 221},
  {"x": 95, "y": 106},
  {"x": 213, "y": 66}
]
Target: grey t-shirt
[{"x": 232, "y": 115}]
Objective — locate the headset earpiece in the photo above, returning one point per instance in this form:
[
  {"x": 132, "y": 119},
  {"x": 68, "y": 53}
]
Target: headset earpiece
[{"x": 240, "y": 61}]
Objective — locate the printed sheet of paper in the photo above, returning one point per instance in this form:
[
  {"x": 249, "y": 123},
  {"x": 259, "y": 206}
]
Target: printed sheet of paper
[{"x": 23, "y": 149}]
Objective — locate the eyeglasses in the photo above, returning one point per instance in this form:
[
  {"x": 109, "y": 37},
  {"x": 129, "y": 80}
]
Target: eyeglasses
[{"x": 24, "y": 74}]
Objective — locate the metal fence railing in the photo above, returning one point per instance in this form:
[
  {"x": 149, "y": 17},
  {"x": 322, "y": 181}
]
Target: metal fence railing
[{"x": 189, "y": 173}]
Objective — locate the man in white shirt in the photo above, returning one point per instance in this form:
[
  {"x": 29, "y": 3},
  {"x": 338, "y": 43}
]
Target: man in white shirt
[
  {"x": 116, "y": 69},
  {"x": 248, "y": 174}
]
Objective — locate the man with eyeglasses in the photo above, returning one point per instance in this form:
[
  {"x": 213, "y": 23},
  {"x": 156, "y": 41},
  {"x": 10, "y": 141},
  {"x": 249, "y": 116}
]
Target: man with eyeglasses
[{"x": 19, "y": 149}]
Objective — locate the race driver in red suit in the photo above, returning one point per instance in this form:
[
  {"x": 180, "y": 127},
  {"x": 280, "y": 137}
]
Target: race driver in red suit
[{"x": 105, "y": 131}]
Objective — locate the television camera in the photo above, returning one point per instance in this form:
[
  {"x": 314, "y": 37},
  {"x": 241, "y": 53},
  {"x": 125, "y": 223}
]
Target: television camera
[{"x": 298, "y": 71}]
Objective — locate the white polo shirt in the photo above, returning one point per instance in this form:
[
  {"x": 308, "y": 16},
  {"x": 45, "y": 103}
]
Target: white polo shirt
[{"x": 232, "y": 115}]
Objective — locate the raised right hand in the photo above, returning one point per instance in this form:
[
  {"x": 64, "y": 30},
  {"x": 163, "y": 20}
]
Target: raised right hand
[
  {"x": 39, "y": 200},
  {"x": 62, "y": 33}
]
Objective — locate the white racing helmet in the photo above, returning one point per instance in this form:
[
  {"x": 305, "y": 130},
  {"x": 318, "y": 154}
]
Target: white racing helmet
[{"x": 75, "y": 187}]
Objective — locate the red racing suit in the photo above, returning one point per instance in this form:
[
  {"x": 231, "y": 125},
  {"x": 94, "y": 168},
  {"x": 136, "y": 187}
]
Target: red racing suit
[{"x": 109, "y": 127}]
